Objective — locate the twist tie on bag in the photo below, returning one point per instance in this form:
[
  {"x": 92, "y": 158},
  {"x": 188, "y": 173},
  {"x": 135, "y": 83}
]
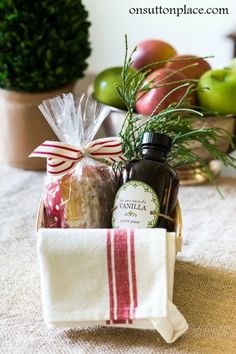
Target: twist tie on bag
[{"x": 61, "y": 157}]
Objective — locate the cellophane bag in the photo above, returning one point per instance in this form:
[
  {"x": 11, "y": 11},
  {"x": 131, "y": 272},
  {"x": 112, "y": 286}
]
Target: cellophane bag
[{"x": 82, "y": 197}]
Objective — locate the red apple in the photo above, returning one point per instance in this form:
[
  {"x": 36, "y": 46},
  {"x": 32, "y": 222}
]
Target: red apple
[
  {"x": 194, "y": 72},
  {"x": 151, "y": 51},
  {"x": 147, "y": 102}
]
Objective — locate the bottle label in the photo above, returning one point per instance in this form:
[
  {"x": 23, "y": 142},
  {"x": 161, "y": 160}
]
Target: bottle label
[{"x": 136, "y": 206}]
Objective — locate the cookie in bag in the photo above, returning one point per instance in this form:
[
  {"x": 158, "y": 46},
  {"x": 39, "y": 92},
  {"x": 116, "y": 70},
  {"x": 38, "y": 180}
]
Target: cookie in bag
[{"x": 80, "y": 188}]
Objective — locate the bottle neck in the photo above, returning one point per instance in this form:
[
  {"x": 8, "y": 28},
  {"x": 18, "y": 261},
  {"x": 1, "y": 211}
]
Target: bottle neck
[{"x": 153, "y": 154}]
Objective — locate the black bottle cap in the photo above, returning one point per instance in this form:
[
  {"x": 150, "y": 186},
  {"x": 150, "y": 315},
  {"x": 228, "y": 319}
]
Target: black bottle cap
[{"x": 161, "y": 141}]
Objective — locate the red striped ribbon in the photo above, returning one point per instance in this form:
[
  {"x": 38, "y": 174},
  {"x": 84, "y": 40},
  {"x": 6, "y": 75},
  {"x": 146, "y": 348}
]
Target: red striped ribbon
[{"x": 61, "y": 157}]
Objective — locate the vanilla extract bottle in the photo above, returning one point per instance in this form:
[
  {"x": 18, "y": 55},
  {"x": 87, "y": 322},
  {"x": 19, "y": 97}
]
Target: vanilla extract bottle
[{"x": 148, "y": 187}]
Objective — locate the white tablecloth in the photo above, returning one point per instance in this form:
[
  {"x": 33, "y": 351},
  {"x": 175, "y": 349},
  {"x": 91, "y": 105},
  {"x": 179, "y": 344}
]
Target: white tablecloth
[{"x": 205, "y": 281}]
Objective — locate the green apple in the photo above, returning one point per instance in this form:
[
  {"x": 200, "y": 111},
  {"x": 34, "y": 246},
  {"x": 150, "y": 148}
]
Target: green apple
[
  {"x": 217, "y": 91},
  {"x": 105, "y": 86}
]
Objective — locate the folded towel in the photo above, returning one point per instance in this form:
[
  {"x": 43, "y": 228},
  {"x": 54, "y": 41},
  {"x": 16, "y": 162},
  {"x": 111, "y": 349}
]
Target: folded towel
[{"x": 109, "y": 277}]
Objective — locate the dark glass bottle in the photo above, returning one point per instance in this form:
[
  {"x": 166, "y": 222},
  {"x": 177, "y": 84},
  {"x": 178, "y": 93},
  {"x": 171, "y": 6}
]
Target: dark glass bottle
[{"x": 154, "y": 170}]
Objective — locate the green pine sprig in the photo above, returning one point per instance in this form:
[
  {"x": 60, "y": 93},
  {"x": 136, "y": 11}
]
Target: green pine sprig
[{"x": 177, "y": 121}]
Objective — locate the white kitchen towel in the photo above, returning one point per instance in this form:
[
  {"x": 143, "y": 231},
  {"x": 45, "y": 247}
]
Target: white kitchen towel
[{"x": 109, "y": 277}]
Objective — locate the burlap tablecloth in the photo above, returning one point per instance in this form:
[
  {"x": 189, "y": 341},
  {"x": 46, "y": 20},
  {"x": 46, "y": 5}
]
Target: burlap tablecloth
[{"x": 205, "y": 281}]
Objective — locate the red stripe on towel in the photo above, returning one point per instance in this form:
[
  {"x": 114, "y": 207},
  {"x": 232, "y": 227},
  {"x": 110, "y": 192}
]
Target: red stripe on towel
[
  {"x": 133, "y": 271},
  {"x": 121, "y": 275},
  {"x": 109, "y": 268}
]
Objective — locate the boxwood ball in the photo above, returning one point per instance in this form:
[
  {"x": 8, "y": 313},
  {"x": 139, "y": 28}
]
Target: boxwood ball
[{"x": 43, "y": 44}]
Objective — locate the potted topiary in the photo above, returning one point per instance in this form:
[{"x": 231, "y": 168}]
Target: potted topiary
[{"x": 43, "y": 50}]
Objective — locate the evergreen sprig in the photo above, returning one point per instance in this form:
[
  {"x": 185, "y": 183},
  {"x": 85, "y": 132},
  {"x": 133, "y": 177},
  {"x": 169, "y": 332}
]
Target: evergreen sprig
[{"x": 178, "y": 121}]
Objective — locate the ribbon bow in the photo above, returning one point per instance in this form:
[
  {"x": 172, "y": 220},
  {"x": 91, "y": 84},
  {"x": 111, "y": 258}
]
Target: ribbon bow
[{"x": 61, "y": 157}]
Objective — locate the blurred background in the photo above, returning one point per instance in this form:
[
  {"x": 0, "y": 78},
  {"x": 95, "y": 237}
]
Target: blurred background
[
  {"x": 42, "y": 62},
  {"x": 201, "y": 35}
]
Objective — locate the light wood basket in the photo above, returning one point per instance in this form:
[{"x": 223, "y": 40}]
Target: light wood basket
[{"x": 41, "y": 223}]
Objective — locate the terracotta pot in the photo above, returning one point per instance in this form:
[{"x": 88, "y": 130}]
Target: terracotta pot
[{"x": 23, "y": 127}]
